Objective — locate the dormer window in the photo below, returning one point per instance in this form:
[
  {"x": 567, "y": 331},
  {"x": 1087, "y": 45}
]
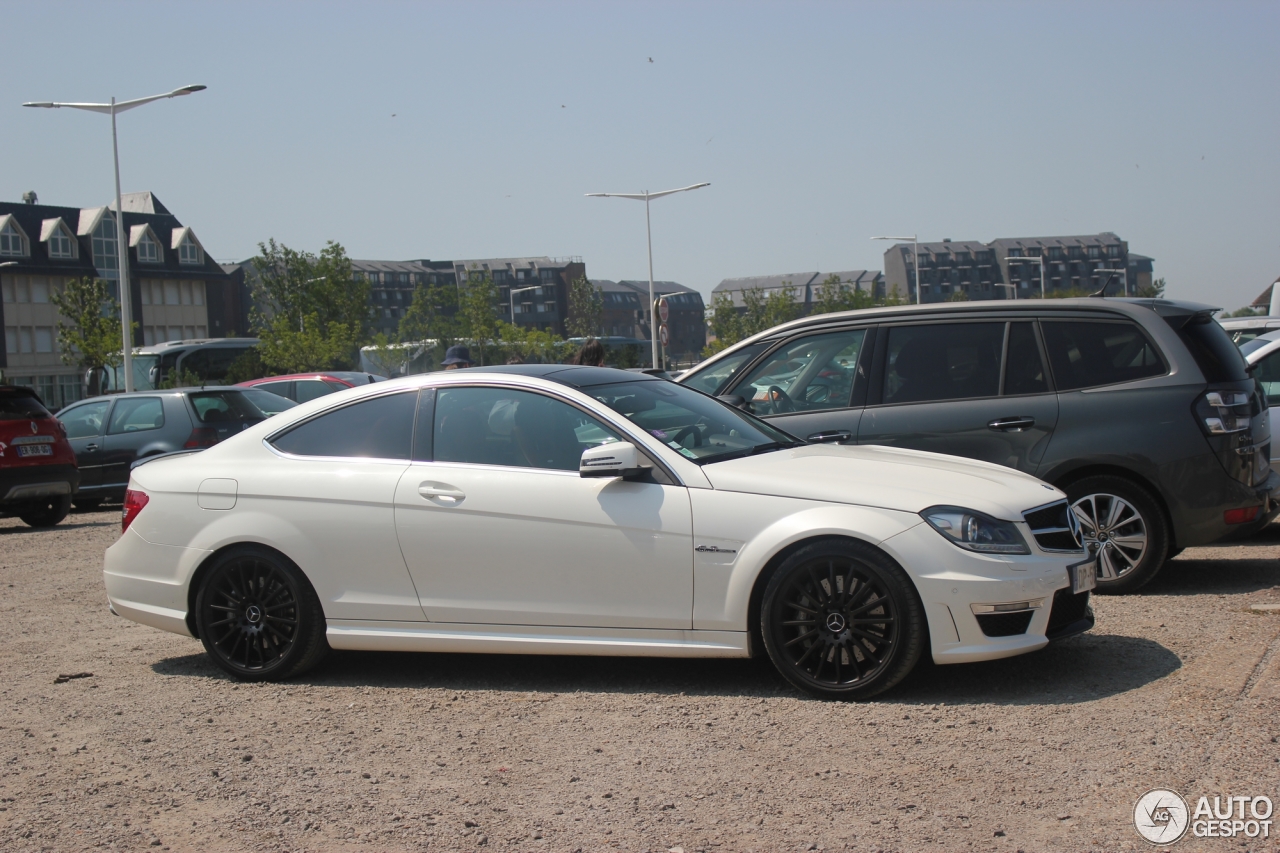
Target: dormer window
[
  {"x": 58, "y": 240},
  {"x": 148, "y": 250},
  {"x": 60, "y": 245},
  {"x": 188, "y": 249},
  {"x": 13, "y": 243}
]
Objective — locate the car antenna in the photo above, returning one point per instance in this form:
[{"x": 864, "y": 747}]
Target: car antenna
[{"x": 1103, "y": 292}]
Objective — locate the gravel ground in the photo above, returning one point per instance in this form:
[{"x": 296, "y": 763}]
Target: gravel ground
[{"x": 1177, "y": 687}]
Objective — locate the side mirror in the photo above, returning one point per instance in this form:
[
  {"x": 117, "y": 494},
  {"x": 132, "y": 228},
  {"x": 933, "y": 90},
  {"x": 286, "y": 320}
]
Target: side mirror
[
  {"x": 735, "y": 400},
  {"x": 617, "y": 459}
]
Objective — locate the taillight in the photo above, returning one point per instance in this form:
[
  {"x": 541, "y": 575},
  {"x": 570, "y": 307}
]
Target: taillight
[
  {"x": 134, "y": 501},
  {"x": 1241, "y": 516},
  {"x": 201, "y": 437},
  {"x": 1224, "y": 412}
]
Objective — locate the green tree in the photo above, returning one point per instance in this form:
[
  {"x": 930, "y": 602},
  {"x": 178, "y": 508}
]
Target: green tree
[
  {"x": 958, "y": 296},
  {"x": 586, "y": 307},
  {"x": 89, "y": 329},
  {"x": 833, "y": 295},
  {"x": 762, "y": 311},
  {"x": 1155, "y": 290},
  {"x": 432, "y": 316},
  {"x": 1246, "y": 311},
  {"x": 311, "y": 311},
  {"x": 478, "y": 312}
]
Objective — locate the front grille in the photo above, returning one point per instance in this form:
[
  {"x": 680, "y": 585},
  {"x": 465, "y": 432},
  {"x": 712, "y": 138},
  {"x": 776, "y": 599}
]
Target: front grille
[
  {"x": 1053, "y": 527},
  {"x": 1066, "y": 610},
  {"x": 1005, "y": 624}
]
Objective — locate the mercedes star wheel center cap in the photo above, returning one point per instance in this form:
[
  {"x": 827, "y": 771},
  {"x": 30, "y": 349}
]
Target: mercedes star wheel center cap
[
  {"x": 835, "y": 623},
  {"x": 253, "y": 614}
]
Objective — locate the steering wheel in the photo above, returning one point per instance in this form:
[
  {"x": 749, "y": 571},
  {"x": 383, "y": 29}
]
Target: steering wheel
[
  {"x": 779, "y": 400},
  {"x": 691, "y": 429}
]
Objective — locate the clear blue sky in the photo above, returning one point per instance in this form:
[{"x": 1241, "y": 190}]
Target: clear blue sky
[{"x": 450, "y": 130}]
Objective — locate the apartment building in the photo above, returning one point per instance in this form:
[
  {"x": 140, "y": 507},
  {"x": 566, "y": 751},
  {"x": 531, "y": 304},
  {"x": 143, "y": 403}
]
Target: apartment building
[
  {"x": 804, "y": 286},
  {"x": 626, "y": 314}
]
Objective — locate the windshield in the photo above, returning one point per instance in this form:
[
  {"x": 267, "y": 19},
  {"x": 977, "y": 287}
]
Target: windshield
[
  {"x": 696, "y": 426},
  {"x": 715, "y": 376},
  {"x": 1255, "y": 344}
]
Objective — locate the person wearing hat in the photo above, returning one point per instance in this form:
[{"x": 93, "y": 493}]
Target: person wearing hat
[{"x": 457, "y": 357}]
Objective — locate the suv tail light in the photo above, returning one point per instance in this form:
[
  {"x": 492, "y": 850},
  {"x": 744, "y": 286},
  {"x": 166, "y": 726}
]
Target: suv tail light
[
  {"x": 1224, "y": 412},
  {"x": 201, "y": 437},
  {"x": 134, "y": 501}
]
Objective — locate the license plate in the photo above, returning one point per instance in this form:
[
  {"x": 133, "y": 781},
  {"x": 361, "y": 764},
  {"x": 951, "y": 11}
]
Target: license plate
[
  {"x": 35, "y": 450},
  {"x": 1084, "y": 576}
]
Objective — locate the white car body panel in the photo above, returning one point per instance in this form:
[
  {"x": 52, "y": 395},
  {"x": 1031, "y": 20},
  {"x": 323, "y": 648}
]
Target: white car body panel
[{"x": 539, "y": 561}]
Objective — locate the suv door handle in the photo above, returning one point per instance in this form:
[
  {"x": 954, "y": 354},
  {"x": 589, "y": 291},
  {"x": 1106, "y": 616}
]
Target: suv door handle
[
  {"x": 441, "y": 491},
  {"x": 835, "y": 435},
  {"x": 1012, "y": 424},
  {"x": 89, "y": 447}
]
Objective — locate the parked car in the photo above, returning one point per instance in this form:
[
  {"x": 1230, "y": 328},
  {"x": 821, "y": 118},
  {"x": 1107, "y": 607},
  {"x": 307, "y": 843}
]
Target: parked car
[
  {"x": 557, "y": 509},
  {"x": 38, "y": 472},
  {"x": 109, "y": 433},
  {"x": 1140, "y": 410},
  {"x": 304, "y": 387},
  {"x": 1244, "y": 329},
  {"x": 1263, "y": 355}
]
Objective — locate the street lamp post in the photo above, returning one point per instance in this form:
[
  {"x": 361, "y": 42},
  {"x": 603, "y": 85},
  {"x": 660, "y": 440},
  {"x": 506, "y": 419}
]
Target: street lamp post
[
  {"x": 1124, "y": 272},
  {"x": 122, "y": 246},
  {"x": 1020, "y": 259},
  {"x": 915, "y": 258},
  {"x": 512, "y": 294},
  {"x": 645, "y": 196}
]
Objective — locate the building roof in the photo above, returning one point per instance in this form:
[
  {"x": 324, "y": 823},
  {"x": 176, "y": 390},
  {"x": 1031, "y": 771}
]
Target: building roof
[
  {"x": 1264, "y": 298},
  {"x": 796, "y": 280},
  {"x": 141, "y": 203},
  {"x": 659, "y": 287},
  {"x": 1104, "y": 238}
]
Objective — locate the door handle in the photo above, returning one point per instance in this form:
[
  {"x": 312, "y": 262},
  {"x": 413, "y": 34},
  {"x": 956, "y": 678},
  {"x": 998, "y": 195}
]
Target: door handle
[
  {"x": 835, "y": 435},
  {"x": 89, "y": 447},
  {"x": 442, "y": 492},
  {"x": 1012, "y": 424}
]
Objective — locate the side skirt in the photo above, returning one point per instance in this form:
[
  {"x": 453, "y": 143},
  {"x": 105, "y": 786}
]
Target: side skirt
[{"x": 534, "y": 640}]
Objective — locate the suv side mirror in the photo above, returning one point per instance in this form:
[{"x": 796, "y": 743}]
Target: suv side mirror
[
  {"x": 616, "y": 459},
  {"x": 735, "y": 400}
]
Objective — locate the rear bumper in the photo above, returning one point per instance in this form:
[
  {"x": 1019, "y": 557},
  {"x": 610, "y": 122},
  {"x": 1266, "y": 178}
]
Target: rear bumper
[
  {"x": 1268, "y": 495},
  {"x": 32, "y": 482}
]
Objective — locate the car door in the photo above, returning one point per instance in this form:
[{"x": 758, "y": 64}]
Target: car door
[
  {"x": 84, "y": 424},
  {"x": 133, "y": 423},
  {"x": 328, "y": 490},
  {"x": 811, "y": 386},
  {"x": 498, "y": 527},
  {"x": 976, "y": 388}
]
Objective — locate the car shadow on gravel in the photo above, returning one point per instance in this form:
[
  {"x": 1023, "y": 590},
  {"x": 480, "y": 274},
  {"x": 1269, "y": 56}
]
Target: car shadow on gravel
[
  {"x": 1077, "y": 670},
  {"x": 10, "y": 531},
  {"x": 1214, "y": 577}
]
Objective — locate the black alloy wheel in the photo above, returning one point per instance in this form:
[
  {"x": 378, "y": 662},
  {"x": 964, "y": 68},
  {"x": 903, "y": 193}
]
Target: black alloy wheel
[
  {"x": 46, "y": 512},
  {"x": 258, "y": 617},
  {"x": 1123, "y": 525},
  {"x": 841, "y": 620}
]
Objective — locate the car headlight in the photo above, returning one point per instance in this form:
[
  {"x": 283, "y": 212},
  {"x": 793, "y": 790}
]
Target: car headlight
[{"x": 974, "y": 531}]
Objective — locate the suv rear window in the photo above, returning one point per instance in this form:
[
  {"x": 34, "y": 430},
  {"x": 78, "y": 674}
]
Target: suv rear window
[
  {"x": 1219, "y": 359},
  {"x": 1090, "y": 353},
  {"x": 19, "y": 407}
]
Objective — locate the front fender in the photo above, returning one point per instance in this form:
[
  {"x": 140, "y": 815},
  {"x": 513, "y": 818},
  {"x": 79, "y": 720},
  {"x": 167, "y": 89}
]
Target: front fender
[{"x": 740, "y": 533}]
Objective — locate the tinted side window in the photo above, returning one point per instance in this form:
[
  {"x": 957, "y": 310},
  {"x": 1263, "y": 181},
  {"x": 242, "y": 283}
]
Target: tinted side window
[
  {"x": 814, "y": 372},
  {"x": 1267, "y": 372},
  {"x": 310, "y": 389},
  {"x": 85, "y": 421},
  {"x": 135, "y": 414},
  {"x": 943, "y": 362},
  {"x": 283, "y": 389},
  {"x": 714, "y": 378},
  {"x": 497, "y": 426},
  {"x": 1024, "y": 369},
  {"x": 1089, "y": 353},
  {"x": 381, "y": 428},
  {"x": 1219, "y": 359}
]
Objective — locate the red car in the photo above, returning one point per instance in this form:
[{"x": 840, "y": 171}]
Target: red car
[
  {"x": 302, "y": 387},
  {"x": 38, "y": 473}
]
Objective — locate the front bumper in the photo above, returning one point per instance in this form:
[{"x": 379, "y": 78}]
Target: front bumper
[{"x": 961, "y": 590}]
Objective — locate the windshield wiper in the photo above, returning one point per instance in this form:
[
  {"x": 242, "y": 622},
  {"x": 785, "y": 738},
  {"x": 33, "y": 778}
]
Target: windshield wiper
[{"x": 772, "y": 445}]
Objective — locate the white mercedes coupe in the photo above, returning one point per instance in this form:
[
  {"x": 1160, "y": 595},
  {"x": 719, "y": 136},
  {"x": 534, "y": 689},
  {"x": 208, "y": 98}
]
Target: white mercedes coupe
[{"x": 555, "y": 509}]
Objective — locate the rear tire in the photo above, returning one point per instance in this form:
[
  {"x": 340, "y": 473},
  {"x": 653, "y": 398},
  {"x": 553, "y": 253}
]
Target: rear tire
[
  {"x": 1125, "y": 524},
  {"x": 46, "y": 512},
  {"x": 841, "y": 620},
  {"x": 258, "y": 617}
]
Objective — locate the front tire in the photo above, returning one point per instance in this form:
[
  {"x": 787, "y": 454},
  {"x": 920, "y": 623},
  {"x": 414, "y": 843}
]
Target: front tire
[
  {"x": 258, "y": 617},
  {"x": 46, "y": 512},
  {"x": 1124, "y": 525},
  {"x": 841, "y": 620}
]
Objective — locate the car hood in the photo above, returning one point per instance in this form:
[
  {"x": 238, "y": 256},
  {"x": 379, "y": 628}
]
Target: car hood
[{"x": 887, "y": 477}]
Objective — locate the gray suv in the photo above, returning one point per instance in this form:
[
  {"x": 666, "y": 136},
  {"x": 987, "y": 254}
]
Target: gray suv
[{"x": 1141, "y": 410}]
